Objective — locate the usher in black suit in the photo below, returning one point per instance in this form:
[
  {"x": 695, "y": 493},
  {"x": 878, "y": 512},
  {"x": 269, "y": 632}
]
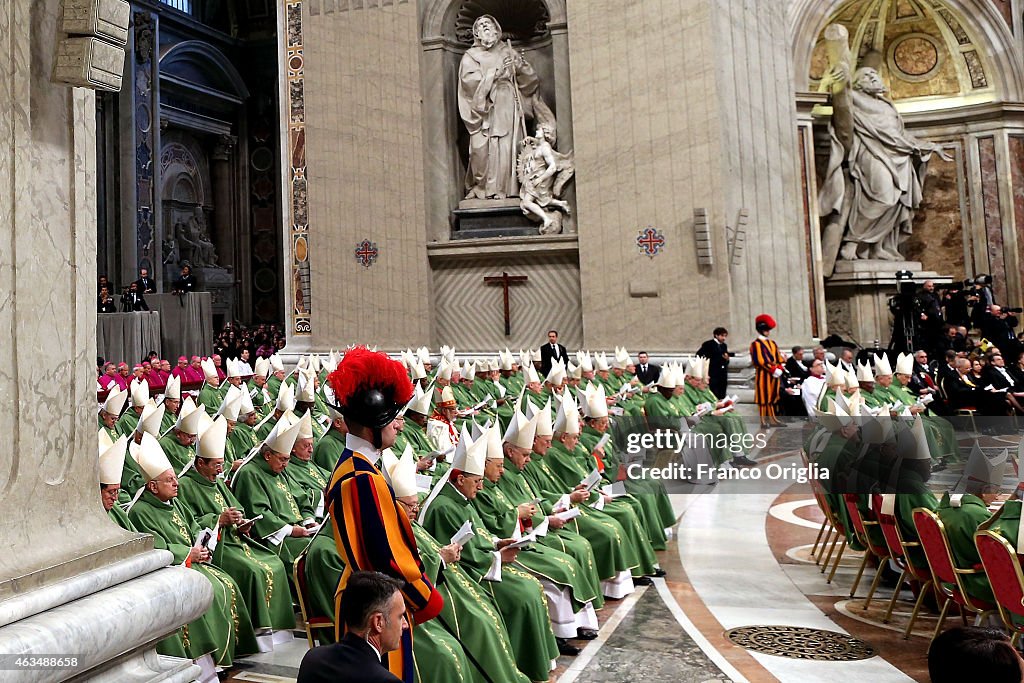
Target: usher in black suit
[
  {"x": 549, "y": 353},
  {"x": 352, "y": 661}
]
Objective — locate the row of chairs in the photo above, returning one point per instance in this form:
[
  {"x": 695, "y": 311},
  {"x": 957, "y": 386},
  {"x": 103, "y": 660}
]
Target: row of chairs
[{"x": 940, "y": 574}]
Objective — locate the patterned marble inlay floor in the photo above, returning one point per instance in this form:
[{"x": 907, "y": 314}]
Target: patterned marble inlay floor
[{"x": 649, "y": 645}]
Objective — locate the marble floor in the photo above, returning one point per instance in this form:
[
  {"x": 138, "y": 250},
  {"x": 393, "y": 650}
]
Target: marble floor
[{"x": 739, "y": 557}]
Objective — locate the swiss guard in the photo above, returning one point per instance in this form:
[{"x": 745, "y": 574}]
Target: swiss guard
[{"x": 371, "y": 529}]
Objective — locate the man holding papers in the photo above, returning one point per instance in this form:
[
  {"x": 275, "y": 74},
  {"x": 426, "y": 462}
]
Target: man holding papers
[
  {"x": 614, "y": 554},
  {"x": 260, "y": 575},
  {"x": 571, "y": 464},
  {"x": 225, "y": 630},
  {"x": 469, "y": 617},
  {"x": 570, "y": 588},
  {"x": 490, "y": 561},
  {"x": 262, "y": 487}
]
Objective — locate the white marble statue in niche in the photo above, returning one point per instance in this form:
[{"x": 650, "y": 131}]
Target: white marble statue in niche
[
  {"x": 876, "y": 169},
  {"x": 498, "y": 92},
  {"x": 543, "y": 173}
]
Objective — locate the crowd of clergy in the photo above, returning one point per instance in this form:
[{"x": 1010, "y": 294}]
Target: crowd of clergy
[
  {"x": 500, "y": 495},
  {"x": 880, "y": 444}
]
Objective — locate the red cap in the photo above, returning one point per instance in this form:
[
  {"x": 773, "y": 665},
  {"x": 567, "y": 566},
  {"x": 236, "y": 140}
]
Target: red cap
[{"x": 765, "y": 319}]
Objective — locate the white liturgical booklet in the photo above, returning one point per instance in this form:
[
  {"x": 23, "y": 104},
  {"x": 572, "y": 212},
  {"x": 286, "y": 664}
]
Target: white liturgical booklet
[{"x": 464, "y": 533}]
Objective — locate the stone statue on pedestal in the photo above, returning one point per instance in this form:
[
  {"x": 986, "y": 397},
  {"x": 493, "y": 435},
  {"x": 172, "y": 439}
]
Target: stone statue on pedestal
[
  {"x": 543, "y": 173},
  {"x": 498, "y": 91},
  {"x": 873, "y": 184}
]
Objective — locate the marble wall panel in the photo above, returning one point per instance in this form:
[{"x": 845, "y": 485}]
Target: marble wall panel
[
  {"x": 364, "y": 169},
  {"x": 938, "y": 237},
  {"x": 993, "y": 214},
  {"x": 470, "y": 314}
]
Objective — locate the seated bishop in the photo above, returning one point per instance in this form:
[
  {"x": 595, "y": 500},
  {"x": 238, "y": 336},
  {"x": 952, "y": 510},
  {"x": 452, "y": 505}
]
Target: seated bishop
[
  {"x": 261, "y": 577},
  {"x": 225, "y": 629}
]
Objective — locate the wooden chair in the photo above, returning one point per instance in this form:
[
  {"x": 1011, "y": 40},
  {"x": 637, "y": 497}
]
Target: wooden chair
[
  {"x": 834, "y": 526},
  {"x": 827, "y": 527},
  {"x": 862, "y": 527},
  {"x": 1002, "y": 566},
  {"x": 311, "y": 621},
  {"x": 898, "y": 551},
  {"x": 946, "y": 576}
]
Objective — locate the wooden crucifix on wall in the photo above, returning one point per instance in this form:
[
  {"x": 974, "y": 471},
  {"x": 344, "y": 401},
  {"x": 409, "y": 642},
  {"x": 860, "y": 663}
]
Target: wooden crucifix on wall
[{"x": 506, "y": 281}]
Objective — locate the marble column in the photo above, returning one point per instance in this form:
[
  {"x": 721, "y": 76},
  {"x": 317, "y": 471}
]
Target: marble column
[
  {"x": 223, "y": 200},
  {"x": 68, "y": 571}
]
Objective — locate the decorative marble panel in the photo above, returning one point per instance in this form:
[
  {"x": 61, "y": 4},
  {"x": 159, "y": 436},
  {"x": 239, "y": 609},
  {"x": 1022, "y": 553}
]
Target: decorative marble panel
[
  {"x": 300, "y": 315},
  {"x": 993, "y": 214},
  {"x": 938, "y": 237}
]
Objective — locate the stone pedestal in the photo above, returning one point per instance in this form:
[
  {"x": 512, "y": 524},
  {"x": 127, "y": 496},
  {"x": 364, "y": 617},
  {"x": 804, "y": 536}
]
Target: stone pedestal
[
  {"x": 858, "y": 296},
  {"x": 491, "y": 218},
  {"x": 72, "y": 583}
]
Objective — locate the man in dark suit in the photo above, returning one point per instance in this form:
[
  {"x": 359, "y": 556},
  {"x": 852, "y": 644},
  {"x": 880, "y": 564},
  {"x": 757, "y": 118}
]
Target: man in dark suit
[
  {"x": 146, "y": 284},
  {"x": 646, "y": 371},
  {"x": 717, "y": 352},
  {"x": 373, "y": 611},
  {"x": 550, "y": 352}
]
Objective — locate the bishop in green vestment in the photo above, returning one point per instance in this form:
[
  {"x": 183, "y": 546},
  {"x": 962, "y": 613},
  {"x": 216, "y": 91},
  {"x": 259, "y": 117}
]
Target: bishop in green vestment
[
  {"x": 518, "y": 595},
  {"x": 505, "y": 520},
  {"x": 962, "y": 515},
  {"x": 225, "y": 630},
  {"x": 259, "y": 573}
]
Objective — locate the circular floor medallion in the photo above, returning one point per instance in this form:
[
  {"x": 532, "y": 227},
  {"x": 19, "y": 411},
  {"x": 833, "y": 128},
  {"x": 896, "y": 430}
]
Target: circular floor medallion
[{"x": 797, "y": 642}]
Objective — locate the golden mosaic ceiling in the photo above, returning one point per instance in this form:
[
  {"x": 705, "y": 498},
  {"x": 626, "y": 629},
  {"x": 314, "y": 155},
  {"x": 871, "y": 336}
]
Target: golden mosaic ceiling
[{"x": 920, "y": 47}]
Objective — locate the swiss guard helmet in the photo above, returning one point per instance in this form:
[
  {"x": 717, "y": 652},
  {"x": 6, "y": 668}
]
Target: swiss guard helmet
[
  {"x": 370, "y": 389},
  {"x": 764, "y": 323}
]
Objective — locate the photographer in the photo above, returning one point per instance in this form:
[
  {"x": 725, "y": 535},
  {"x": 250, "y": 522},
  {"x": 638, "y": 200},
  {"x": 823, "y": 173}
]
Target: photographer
[
  {"x": 954, "y": 303},
  {"x": 105, "y": 302},
  {"x": 997, "y": 327},
  {"x": 133, "y": 300}
]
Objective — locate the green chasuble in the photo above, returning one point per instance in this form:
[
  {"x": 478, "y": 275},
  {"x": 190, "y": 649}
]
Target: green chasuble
[
  {"x": 470, "y": 614},
  {"x": 501, "y": 518},
  {"x": 263, "y": 430},
  {"x": 708, "y": 424},
  {"x": 938, "y": 431},
  {"x": 128, "y": 422},
  {"x": 225, "y": 630},
  {"x": 172, "y": 645},
  {"x": 261, "y": 576},
  {"x": 242, "y": 440},
  {"x": 178, "y": 455},
  {"x": 612, "y": 552},
  {"x": 416, "y": 436},
  {"x": 328, "y": 449},
  {"x": 307, "y": 481},
  {"x": 119, "y": 517},
  {"x": 919, "y": 497},
  {"x": 211, "y": 397},
  {"x": 518, "y": 595},
  {"x": 572, "y": 468},
  {"x": 514, "y": 487},
  {"x": 834, "y": 453},
  {"x": 167, "y": 421},
  {"x": 324, "y": 567},
  {"x": 657, "y": 507},
  {"x": 961, "y": 523},
  {"x": 262, "y": 492},
  {"x": 730, "y": 422},
  {"x": 437, "y": 654}
]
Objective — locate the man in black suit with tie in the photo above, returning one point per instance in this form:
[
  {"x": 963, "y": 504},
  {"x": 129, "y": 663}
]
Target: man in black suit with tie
[
  {"x": 373, "y": 610},
  {"x": 646, "y": 371},
  {"x": 145, "y": 283},
  {"x": 717, "y": 352},
  {"x": 551, "y": 352}
]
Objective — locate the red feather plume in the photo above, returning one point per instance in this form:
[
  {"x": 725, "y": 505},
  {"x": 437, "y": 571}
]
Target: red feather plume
[{"x": 362, "y": 369}]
